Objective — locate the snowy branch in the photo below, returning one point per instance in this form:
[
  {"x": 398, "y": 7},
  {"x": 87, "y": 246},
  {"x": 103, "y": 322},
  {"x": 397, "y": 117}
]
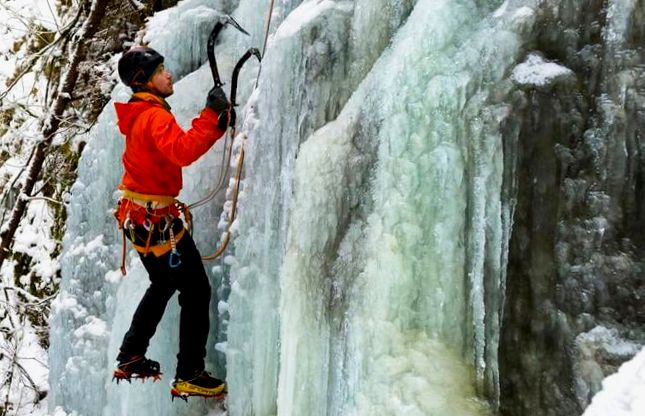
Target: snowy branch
[
  {"x": 35, "y": 57},
  {"x": 50, "y": 126}
]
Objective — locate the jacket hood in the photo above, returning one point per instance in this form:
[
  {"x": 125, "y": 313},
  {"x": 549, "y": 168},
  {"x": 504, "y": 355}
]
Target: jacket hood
[{"x": 127, "y": 113}]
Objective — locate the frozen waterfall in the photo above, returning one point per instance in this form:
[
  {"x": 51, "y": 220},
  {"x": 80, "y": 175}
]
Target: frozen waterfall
[{"x": 387, "y": 157}]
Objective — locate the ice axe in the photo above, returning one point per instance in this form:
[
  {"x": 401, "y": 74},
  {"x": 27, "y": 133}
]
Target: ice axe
[
  {"x": 236, "y": 71},
  {"x": 223, "y": 21}
]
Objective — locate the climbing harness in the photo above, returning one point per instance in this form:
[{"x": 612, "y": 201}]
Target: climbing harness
[{"x": 153, "y": 224}]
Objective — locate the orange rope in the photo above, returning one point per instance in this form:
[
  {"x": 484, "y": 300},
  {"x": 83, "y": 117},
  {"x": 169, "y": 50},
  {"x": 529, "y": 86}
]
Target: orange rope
[{"x": 227, "y": 234}]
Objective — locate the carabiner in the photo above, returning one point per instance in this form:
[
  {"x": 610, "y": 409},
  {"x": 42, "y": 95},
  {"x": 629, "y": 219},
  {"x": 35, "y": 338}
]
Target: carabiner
[{"x": 173, "y": 260}]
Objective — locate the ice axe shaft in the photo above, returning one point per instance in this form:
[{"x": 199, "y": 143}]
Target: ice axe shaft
[
  {"x": 236, "y": 71},
  {"x": 223, "y": 21}
]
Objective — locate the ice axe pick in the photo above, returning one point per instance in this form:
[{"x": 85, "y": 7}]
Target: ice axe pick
[{"x": 223, "y": 21}]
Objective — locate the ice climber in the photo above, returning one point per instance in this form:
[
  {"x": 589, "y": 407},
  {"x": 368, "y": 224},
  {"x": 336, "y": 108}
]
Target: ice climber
[{"x": 156, "y": 149}]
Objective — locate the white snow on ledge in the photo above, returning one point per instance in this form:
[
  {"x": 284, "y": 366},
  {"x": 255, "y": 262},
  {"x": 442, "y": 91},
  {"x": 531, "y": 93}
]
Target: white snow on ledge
[
  {"x": 537, "y": 71},
  {"x": 623, "y": 393}
]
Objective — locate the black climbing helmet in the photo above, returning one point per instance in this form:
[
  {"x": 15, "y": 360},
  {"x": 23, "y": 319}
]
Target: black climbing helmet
[{"x": 137, "y": 65}]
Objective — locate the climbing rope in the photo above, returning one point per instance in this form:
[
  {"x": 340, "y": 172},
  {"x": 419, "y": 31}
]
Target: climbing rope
[
  {"x": 267, "y": 24},
  {"x": 223, "y": 173},
  {"x": 231, "y": 216}
]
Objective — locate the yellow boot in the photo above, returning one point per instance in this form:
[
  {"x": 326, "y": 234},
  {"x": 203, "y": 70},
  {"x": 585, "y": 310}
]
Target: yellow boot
[{"x": 201, "y": 384}]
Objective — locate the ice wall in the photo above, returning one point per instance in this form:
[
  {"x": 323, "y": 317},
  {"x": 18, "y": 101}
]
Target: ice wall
[
  {"x": 384, "y": 246},
  {"x": 465, "y": 159}
]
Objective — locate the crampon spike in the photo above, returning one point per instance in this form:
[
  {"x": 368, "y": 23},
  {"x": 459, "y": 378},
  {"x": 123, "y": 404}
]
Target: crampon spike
[
  {"x": 180, "y": 397},
  {"x": 120, "y": 375}
]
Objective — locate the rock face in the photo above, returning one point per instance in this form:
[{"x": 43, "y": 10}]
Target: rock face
[{"x": 575, "y": 281}]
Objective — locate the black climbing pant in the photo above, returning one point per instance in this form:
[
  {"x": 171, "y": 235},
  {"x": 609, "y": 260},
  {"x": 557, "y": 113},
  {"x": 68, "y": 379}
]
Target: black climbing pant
[{"x": 190, "y": 279}]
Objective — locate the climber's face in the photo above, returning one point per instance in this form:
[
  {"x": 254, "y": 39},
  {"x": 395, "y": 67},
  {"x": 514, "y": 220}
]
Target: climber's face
[{"x": 161, "y": 82}]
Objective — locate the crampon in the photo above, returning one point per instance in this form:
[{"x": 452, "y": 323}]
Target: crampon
[{"x": 138, "y": 367}]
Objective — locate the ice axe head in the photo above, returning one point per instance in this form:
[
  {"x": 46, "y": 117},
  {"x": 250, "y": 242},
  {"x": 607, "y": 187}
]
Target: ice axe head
[
  {"x": 221, "y": 22},
  {"x": 256, "y": 52},
  {"x": 226, "y": 19}
]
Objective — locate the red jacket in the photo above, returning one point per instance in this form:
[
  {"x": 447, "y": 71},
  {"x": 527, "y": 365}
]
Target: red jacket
[{"x": 156, "y": 148}]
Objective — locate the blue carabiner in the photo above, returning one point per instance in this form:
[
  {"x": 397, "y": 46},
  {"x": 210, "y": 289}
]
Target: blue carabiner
[{"x": 174, "y": 261}]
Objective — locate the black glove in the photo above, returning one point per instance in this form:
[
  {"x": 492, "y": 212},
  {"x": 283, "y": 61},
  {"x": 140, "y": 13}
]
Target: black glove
[
  {"x": 217, "y": 100},
  {"x": 225, "y": 119}
]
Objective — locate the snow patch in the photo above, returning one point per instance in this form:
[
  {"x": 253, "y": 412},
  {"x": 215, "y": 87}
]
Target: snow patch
[
  {"x": 301, "y": 16},
  {"x": 66, "y": 302},
  {"x": 113, "y": 276},
  {"x": 537, "y": 71},
  {"x": 59, "y": 411},
  {"x": 623, "y": 392},
  {"x": 501, "y": 9},
  {"x": 608, "y": 340},
  {"x": 89, "y": 248}
]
